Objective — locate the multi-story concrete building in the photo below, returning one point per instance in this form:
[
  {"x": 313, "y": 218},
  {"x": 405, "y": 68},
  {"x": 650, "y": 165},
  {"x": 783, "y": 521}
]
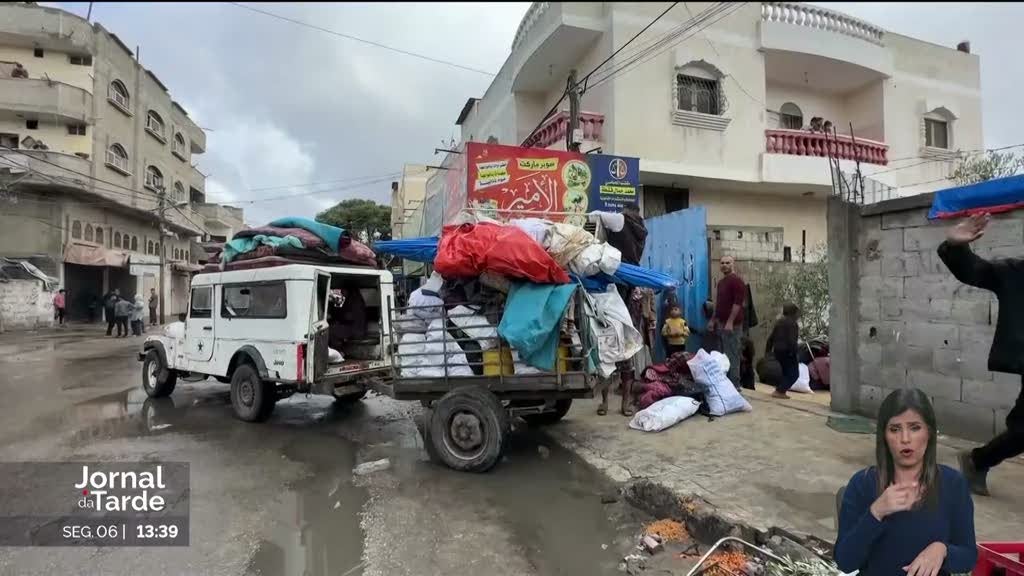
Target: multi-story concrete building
[
  {"x": 407, "y": 197},
  {"x": 90, "y": 141},
  {"x": 724, "y": 114}
]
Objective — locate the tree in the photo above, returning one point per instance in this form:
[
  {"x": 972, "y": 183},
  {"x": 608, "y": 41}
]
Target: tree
[
  {"x": 974, "y": 169},
  {"x": 806, "y": 285},
  {"x": 363, "y": 219}
]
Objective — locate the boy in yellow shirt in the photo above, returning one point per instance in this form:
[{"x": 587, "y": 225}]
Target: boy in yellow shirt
[{"x": 675, "y": 332}]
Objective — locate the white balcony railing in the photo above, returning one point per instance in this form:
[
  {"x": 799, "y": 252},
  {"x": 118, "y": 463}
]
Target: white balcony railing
[{"x": 821, "y": 19}]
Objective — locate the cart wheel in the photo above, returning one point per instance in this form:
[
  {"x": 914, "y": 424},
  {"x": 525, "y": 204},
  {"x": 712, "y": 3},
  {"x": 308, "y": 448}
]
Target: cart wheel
[
  {"x": 251, "y": 397},
  {"x": 547, "y": 418},
  {"x": 467, "y": 428},
  {"x": 351, "y": 398},
  {"x": 157, "y": 379}
]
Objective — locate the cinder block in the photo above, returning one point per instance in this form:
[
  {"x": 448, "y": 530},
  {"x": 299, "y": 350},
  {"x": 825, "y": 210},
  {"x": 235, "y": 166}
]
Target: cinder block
[
  {"x": 884, "y": 333},
  {"x": 901, "y": 265},
  {"x": 891, "y": 288},
  {"x": 905, "y": 219},
  {"x": 935, "y": 385},
  {"x": 977, "y": 338},
  {"x": 929, "y": 335},
  {"x": 1002, "y": 233},
  {"x": 870, "y": 374},
  {"x": 869, "y": 267},
  {"x": 923, "y": 238},
  {"x": 892, "y": 309},
  {"x": 919, "y": 359},
  {"x": 991, "y": 394},
  {"x": 971, "y": 312},
  {"x": 939, "y": 310},
  {"x": 965, "y": 292},
  {"x": 894, "y": 377},
  {"x": 964, "y": 420},
  {"x": 871, "y": 398},
  {"x": 869, "y": 309},
  {"x": 869, "y": 353},
  {"x": 939, "y": 286},
  {"x": 877, "y": 243},
  {"x": 931, "y": 264},
  {"x": 974, "y": 365},
  {"x": 947, "y": 363}
]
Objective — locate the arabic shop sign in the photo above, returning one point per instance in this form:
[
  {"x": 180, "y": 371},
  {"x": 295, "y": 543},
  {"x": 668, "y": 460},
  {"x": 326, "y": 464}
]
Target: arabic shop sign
[{"x": 616, "y": 180}]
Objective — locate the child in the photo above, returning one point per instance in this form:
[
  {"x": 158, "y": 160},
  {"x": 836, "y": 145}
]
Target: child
[
  {"x": 783, "y": 345},
  {"x": 675, "y": 332}
]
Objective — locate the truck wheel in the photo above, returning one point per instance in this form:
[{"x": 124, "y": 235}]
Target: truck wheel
[
  {"x": 251, "y": 397},
  {"x": 157, "y": 379},
  {"x": 468, "y": 427},
  {"x": 546, "y": 418}
]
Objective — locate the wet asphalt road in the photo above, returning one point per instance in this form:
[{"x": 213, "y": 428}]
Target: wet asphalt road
[{"x": 279, "y": 497}]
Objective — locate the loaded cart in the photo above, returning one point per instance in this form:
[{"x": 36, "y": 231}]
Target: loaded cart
[{"x": 451, "y": 358}]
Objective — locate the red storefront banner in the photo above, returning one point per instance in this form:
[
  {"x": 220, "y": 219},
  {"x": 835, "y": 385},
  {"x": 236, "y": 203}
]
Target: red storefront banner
[{"x": 511, "y": 182}]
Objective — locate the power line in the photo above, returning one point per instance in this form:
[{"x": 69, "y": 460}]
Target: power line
[
  {"x": 962, "y": 155},
  {"x": 317, "y": 192},
  {"x": 363, "y": 40},
  {"x": 339, "y": 181},
  {"x": 719, "y": 54},
  {"x": 583, "y": 81}
]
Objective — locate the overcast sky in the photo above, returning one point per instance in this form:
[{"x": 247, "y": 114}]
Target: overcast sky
[{"x": 287, "y": 105}]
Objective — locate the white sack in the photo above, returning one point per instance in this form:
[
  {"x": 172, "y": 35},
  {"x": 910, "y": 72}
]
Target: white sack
[
  {"x": 425, "y": 306},
  {"x": 519, "y": 368},
  {"x": 719, "y": 392},
  {"x": 596, "y": 258},
  {"x": 485, "y": 334},
  {"x": 334, "y": 357},
  {"x": 664, "y": 413},
  {"x": 722, "y": 360},
  {"x": 803, "y": 383},
  {"x": 612, "y": 329},
  {"x": 534, "y": 227}
]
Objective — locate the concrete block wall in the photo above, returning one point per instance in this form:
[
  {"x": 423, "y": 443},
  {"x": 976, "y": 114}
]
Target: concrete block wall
[
  {"x": 915, "y": 325},
  {"x": 24, "y": 305},
  {"x": 747, "y": 243}
]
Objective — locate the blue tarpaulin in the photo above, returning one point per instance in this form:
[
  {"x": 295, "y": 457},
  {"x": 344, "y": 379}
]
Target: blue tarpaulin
[
  {"x": 530, "y": 323},
  {"x": 993, "y": 196},
  {"x": 415, "y": 249}
]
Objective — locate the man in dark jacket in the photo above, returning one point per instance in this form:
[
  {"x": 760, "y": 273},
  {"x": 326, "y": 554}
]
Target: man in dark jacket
[
  {"x": 1005, "y": 278},
  {"x": 783, "y": 343},
  {"x": 109, "y": 302}
]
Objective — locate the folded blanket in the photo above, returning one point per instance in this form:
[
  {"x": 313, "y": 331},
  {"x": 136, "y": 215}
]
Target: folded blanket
[
  {"x": 336, "y": 238},
  {"x": 242, "y": 245},
  {"x": 308, "y": 239}
]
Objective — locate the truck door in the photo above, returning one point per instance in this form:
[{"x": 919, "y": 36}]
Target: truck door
[
  {"x": 199, "y": 325},
  {"x": 317, "y": 343}
]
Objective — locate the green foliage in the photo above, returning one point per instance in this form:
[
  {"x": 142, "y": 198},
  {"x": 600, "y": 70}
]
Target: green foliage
[
  {"x": 806, "y": 285},
  {"x": 364, "y": 219},
  {"x": 974, "y": 169}
]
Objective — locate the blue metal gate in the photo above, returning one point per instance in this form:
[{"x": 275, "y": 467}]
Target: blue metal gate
[{"x": 677, "y": 244}]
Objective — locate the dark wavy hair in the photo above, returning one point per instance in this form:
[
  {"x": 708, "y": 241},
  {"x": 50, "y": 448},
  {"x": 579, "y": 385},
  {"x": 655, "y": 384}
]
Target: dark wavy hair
[{"x": 896, "y": 403}]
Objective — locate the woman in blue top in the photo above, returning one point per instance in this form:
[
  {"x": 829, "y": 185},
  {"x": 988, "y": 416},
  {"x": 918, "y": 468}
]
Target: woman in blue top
[{"x": 906, "y": 516}]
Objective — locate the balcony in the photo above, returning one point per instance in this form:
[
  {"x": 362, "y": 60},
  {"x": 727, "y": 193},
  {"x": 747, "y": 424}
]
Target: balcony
[
  {"x": 553, "y": 132},
  {"x": 552, "y": 38},
  {"x": 44, "y": 97},
  {"x": 804, "y": 143},
  {"x": 46, "y": 167},
  {"x": 220, "y": 216},
  {"x": 822, "y": 42}
]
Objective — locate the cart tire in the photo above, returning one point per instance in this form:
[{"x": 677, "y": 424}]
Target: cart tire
[
  {"x": 547, "y": 418},
  {"x": 252, "y": 398},
  {"x": 423, "y": 425},
  {"x": 351, "y": 398},
  {"x": 157, "y": 379},
  {"x": 468, "y": 428}
]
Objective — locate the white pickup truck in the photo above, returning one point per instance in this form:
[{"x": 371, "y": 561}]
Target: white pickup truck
[{"x": 271, "y": 332}]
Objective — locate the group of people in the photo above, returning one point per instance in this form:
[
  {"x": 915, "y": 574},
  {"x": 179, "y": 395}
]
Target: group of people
[{"x": 122, "y": 312}]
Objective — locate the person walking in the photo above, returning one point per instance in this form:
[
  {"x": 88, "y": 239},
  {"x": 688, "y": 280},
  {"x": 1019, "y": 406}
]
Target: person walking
[
  {"x": 59, "y": 302},
  {"x": 122, "y": 312},
  {"x": 138, "y": 309},
  {"x": 728, "y": 319},
  {"x": 675, "y": 332},
  {"x": 154, "y": 303},
  {"x": 783, "y": 343},
  {"x": 109, "y": 305},
  {"x": 1004, "y": 277}
]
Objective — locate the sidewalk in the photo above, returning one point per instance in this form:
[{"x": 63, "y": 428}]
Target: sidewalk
[{"x": 780, "y": 465}]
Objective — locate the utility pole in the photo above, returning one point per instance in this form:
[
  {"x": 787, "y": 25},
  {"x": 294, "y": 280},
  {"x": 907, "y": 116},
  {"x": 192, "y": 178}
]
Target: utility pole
[
  {"x": 161, "y": 209},
  {"x": 574, "y": 114}
]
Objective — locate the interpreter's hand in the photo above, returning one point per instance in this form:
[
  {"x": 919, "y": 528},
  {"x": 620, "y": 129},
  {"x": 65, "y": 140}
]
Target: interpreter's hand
[
  {"x": 928, "y": 562},
  {"x": 896, "y": 498},
  {"x": 969, "y": 229}
]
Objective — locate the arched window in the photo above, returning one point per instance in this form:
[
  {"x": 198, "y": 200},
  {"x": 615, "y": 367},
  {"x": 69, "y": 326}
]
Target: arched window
[
  {"x": 117, "y": 158},
  {"x": 118, "y": 94},
  {"x": 179, "y": 191},
  {"x": 155, "y": 124},
  {"x": 698, "y": 87},
  {"x": 149, "y": 248},
  {"x": 88, "y": 233},
  {"x": 938, "y": 128},
  {"x": 178, "y": 146},
  {"x": 126, "y": 242},
  {"x": 76, "y": 230},
  {"x": 187, "y": 259},
  {"x": 154, "y": 178},
  {"x": 117, "y": 239},
  {"x": 176, "y": 254},
  {"x": 99, "y": 235},
  {"x": 135, "y": 243},
  {"x": 790, "y": 117}
]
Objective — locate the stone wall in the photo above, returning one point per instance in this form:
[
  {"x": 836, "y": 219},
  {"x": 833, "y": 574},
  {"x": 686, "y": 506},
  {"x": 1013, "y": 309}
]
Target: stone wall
[
  {"x": 911, "y": 323},
  {"x": 748, "y": 243},
  {"x": 24, "y": 305}
]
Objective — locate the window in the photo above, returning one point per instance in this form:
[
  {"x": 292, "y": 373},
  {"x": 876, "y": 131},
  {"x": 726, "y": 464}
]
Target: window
[
  {"x": 150, "y": 249},
  {"x": 76, "y": 230},
  {"x": 135, "y": 243},
  {"x": 117, "y": 239},
  {"x": 32, "y": 124},
  {"x": 179, "y": 191},
  {"x": 155, "y": 125},
  {"x": 154, "y": 178},
  {"x": 85, "y": 60},
  {"x": 178, "y": 146},
  {"x": 126, "y": 242},
  {"x": 38, "y": 52},
  {"x": 262, "y": 300},
  {"x": 117, "y": 159},
  {"x": 76, "y": 129},
  {"x": 790, "y": 117},
  {"x": 187, "y": 259},
  {"x": 201, "y": 302},
  {"x": 88, "y": 232},
  {"x": 99, "y": 235},
  {"x": 9, "y": 140},
  {"x": 176, "y": 255},
  {"x": 936, "y": 133},
  {"x": 699, "y": 95},
  {"x": 118, "y": 94}
]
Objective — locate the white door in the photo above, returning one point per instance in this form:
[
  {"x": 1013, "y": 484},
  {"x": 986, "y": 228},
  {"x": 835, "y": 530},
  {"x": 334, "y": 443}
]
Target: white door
[
  {"x": 199, "y": 325},
  {"x": 317, "y": 345}
]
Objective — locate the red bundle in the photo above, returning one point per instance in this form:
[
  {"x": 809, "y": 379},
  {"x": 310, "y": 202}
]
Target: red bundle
[{"x": 469, "y": 250}]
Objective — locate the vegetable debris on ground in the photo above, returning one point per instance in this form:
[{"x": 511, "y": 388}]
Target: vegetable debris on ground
[{"x": 668, "y": 530}]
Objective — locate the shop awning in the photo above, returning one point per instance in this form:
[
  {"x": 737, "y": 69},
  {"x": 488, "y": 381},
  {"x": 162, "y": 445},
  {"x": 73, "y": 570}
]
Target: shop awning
[
  {"x": 91, "y": 255},
  {"x": 185, "y": 267}
]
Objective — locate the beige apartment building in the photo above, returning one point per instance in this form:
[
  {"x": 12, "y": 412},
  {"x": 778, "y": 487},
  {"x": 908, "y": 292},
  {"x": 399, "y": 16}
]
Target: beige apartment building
[
  {"x": 90, "y": 141},
  {"x": 722, "y": 114}
]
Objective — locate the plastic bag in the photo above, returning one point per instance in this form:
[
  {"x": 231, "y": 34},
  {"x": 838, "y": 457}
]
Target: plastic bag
[
  {"x": 334, "y": 357},
  {"x": 664, "y": 414},
  {"x": 423, "y": 305},
  {"x": 596, "y": 258},
  {"x": 719, "y": 392},
  {"x": 469, "y": 250},
  {"x": 803, "y": 383},
  {"x": 611, "y": 329},
  {"x": 534, "y": 227}
]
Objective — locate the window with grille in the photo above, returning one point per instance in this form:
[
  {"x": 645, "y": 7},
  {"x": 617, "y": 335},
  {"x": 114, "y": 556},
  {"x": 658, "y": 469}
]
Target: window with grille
[
  {"x": 80, "y": 60},
  {"x": 117, "y": 158},
  {"x": 76, "y": 230},
  {"x": 154, "y": 178},
  {"x": 936, "y": 133},
  {"x": 99, "y": 235},
  {"x": 118, "y": 94},
  {"x": 76, "y": 129},
  {"x": 178, "y": 146},
  {"x": 699, "y": 95},
  {"x": 179, "y": 191},
  {"x": 155, "y": 124}
]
